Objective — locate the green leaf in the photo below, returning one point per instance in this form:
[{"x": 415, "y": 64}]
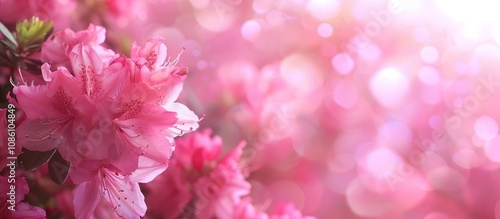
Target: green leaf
[
  {"x": 32, "y": 31},
  {"x": 31, "y": 160},
  {"x": 8, "y": 34},
  {"x": 58, "y": 168}
]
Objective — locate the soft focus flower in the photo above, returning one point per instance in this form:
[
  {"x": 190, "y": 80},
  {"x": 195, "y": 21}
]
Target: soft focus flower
[
  {"x": 12, "y": 11},
  {"x": 215, "y": 187},
  {"x": 245, "y": 210},
  {"x": 221, "y": 190},
  {"x": 288, "y": 211},
  {"x": 351, "y": 109}
]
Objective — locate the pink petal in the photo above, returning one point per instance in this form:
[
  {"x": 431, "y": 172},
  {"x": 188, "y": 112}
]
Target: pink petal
[
  {"x": 187, "y": 120},
  {"x": 148, "y": 170},
  {"x": 27, "y": 211},
  {"x": 86, "y": 197},
  {"x": 41, "y": 134},
  {"x": 124, "y": 196},
  {"x": 87, "y": 66},
  {"x": 124, "y": 158},
  {"x": 33, "y": 98},
  {"x": 153, "y": 53}
]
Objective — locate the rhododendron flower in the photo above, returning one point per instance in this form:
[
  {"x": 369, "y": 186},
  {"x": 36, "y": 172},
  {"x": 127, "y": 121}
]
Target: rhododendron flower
[
  {"x": 79, "y": 108},
  {"x": 96, "y": 181},
  {"x": 22, "y": 209},
  {"x": 57, "y": 49},
  {"x": 193, "y": 157},
  {"x": 245, "y": 210},
  {"x": 221, "y": 190},
  {"x": 288, "y": 211},
  {"x": 197, "y": 183},
  {"x": 166, "y": 79},
  {"x": 114, "y": 121}
]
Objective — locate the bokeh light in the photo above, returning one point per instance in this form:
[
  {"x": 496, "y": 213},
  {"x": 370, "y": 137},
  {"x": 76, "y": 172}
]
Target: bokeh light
[{"x": 351, "y": 108}]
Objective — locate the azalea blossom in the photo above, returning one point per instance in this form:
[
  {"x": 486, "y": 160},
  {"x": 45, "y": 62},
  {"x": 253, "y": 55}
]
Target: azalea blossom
[
  {"x": 57, "y": 49},
  {"x": 288, "y": 211},
  {"x": 97, "y": 181},
  {"x": 245, "y": 210},
  {"x": 222, "y": 189},
  {"x": 197, "y": 183},
  {"x": 113, "y": 120}
]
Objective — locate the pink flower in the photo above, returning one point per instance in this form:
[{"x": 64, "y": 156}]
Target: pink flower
[
  {"x": 288, "y": 211},
  {"x": 114, "y": 121},
  {"x": 57, "y": 49},
  {"x": 169, "y": 194},
  {"x": 161, "y": 74},
  {"x": 197, "y": 152},
  {"x": 194, "y": 156},
  {"x": 22, "y": 209},
  {"x": 245, "y": 210},
  {"x": 221, "y": 190},
  {"x": 95, "y": 181},
  {"x": 197, "y": 183},
  {"x": 64, "y": 205},
  {"x": 97, "y": 100}
]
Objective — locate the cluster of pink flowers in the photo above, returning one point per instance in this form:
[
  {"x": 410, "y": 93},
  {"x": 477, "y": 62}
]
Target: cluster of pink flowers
[
  {"x": 200, "y": 184},
  {"x": 350, "y": 109},
  {"x": 110, "y": 122},
  {"x": 113, "y": 118}
]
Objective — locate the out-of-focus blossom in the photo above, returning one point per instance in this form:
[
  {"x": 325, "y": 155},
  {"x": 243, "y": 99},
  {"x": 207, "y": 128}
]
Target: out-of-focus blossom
[
  {"x": 245, "y": 210},
  {"x": 12, "y": 11},
  {"x": 219, "y": 191},
  {"x": 288, "y": 211},
  {"x": 207, "y": 187},
  {"x": 11, "y": 198}
]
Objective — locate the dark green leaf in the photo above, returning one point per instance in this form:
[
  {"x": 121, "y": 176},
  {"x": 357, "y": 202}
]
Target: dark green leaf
[
  {"x": 31, "y": 160},
  {"x": 58, "y": 168},
  {"x": 34, "y": 61},
  {"x": 9, "y": 45}
]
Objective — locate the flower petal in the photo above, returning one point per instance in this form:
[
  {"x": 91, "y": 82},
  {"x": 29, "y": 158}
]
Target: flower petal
[
  {"x": 86, "y": 198},
  {"x": 148, "y": 170},
  {"x": 123, "y": 195},
  {"x": 87, "y": 67}
]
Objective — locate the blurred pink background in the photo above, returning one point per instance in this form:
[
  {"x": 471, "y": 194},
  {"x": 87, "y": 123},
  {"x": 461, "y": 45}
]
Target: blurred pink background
[{"x": 351, "y": 109}]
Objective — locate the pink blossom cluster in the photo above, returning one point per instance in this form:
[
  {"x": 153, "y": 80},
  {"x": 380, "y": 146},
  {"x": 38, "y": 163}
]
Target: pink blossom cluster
[
  {"x": 349, "y": 108},
  {"x": 113, "y": 118},
  {"x": 199, "y": 184}
]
